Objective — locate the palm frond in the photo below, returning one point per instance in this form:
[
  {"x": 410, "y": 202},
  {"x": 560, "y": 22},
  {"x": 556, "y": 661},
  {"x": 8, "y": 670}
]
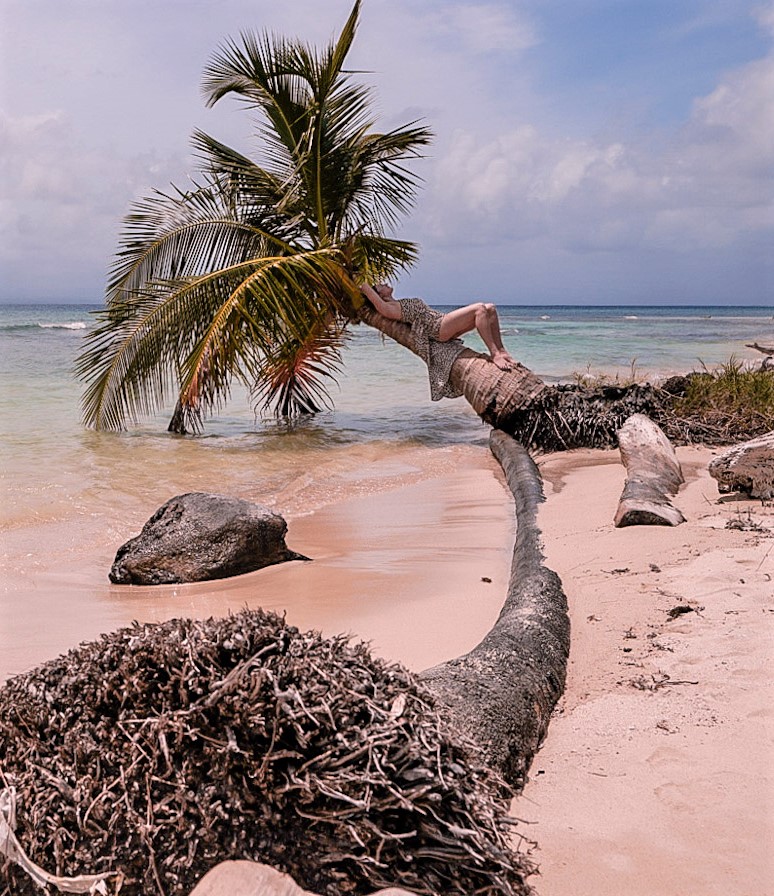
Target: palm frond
[
  {"x": 292, "y": 381},
  {"x": 380, "y": 188},
  {"x": 191, "y": 337},
  {"x": 251, "y": 273},
  {"x": 379, "y": 257},
  {"x": 175, "y": 236},
  {"x": 273, "y": 198}
]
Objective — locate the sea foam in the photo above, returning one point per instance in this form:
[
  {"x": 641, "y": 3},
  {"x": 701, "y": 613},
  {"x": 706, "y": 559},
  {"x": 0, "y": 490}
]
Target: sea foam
[{"x": 71, "y": 325}]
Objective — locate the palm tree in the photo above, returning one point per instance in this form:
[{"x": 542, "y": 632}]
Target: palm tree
[{"x": 251, "y": 275}]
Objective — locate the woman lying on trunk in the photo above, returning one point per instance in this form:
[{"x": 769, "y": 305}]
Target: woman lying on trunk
[
  {"x": 481, "y": 316},
  {"x": 437, "y": 334}
]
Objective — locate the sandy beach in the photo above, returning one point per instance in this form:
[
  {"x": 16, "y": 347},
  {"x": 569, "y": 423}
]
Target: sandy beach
[{"x": 657, "y": 776}]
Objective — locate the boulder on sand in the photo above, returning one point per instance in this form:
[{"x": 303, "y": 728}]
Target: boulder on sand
[{"x": 198, "y": 537}]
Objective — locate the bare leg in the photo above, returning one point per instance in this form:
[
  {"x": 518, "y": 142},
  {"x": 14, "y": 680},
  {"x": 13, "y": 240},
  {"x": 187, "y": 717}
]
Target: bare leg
[{"x": 483, "y": 317}]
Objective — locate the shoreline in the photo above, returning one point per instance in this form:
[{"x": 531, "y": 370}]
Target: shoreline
[{"x": 400, "y": 541}]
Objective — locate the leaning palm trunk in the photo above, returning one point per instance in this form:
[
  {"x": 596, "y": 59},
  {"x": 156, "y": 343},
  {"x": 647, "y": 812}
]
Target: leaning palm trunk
[
  {"x": 541, "y": 416},
  {"x": 495, "y": 395},
  {"x": 503, "y": 691}
]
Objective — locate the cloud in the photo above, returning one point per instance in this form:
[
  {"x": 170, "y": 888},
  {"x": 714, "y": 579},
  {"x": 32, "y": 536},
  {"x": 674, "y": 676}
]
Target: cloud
[
  {"x": 705, "y": 185},
  {"x": 526, "y": 156},
  {"x": 63, "y": 203},
  {"x": 765, "y": 17},
  {"x": 488, "y": 27}
]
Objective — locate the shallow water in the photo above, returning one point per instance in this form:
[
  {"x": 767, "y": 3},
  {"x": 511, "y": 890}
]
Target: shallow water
[{"x": 70, "y": 496}]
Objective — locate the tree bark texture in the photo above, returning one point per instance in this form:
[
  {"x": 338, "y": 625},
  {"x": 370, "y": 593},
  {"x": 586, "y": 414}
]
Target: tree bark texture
[
  {"x": 494, "y": 394},
  {"x": 653, "y": 473},
  {"x": 503, "y": 691},
  {"x": 748, "y": 468}
]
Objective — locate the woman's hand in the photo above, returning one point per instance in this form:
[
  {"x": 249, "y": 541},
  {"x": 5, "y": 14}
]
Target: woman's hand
[{"x": 385, "y": 305}]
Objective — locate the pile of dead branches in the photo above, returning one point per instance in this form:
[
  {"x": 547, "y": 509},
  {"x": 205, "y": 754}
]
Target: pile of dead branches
[
  {"x": 161, "y": 750},
  {"x": 577, "y": 416}
]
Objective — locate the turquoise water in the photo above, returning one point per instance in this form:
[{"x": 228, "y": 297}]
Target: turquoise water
[
  {"x": 382, "y": 396},
  {"x": 38, "y": 344},
  {"x": 71, "y": 496},
  {"x": 51, "y": 465}
]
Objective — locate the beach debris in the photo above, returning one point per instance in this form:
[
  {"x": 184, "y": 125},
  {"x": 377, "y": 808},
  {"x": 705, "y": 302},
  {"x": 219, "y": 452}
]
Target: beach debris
[
  {"x": 652, "y": 474},
  {"x": 708, "y": 407},
  {"x": 162, "y": 749},
  {"x": 747, "y": 468},
  {"x": 680, "y": 610},
  {"x": 768, "y": 362},
  {"x": 656, "y": 681},
  {"x": 197, "y": 537},
  {"x": 663, "y": 725},
  {"x": 10, "y": 849},
  {"x": 746, "y": 523},
  {"x": 572, "y": 415},
  {"x": 486, "y": 579},
  {"x": 654, "y": 567}
]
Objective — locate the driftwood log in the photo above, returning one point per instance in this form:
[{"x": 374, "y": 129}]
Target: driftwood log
[
  {"x": 768, "y": 362},
  {"x": 652, "y": 474},
  {"x": 748, "y": 468},
  {"x": 503, "y": 691}
]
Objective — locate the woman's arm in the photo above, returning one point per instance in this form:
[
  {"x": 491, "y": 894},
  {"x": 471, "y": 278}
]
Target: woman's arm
[{"x": 387, "y": 307}]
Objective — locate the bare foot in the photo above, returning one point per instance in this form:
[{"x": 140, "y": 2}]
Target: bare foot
[{"x": 504, "y": 361}]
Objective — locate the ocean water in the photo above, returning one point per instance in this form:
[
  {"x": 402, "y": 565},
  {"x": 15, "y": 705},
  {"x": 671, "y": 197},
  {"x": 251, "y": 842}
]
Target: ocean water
[
  {"x": 49, "y": 460},
  {"x": 71, "y": 496}
]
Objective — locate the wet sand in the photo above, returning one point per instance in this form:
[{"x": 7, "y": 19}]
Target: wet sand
[{"x": 401, "y": 561}]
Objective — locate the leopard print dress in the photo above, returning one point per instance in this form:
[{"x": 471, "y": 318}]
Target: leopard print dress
[{"x": 425, "y": 324}]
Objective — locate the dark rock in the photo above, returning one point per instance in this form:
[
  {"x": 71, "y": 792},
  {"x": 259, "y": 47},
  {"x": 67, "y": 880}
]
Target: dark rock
[{"x": 198, "y": 537}]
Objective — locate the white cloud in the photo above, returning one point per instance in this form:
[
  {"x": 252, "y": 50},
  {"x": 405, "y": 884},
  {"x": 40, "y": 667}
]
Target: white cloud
[
  {"x": 485, "y": 27},
  {"x": 708, "y": 184},
  {"x": 63, "y": 203},
  {"x": 110, "y": 95},
  {"x": 765, "y": 17}
]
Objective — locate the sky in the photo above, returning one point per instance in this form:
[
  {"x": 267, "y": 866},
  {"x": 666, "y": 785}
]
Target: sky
[{"x": 585, "y": 151}]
